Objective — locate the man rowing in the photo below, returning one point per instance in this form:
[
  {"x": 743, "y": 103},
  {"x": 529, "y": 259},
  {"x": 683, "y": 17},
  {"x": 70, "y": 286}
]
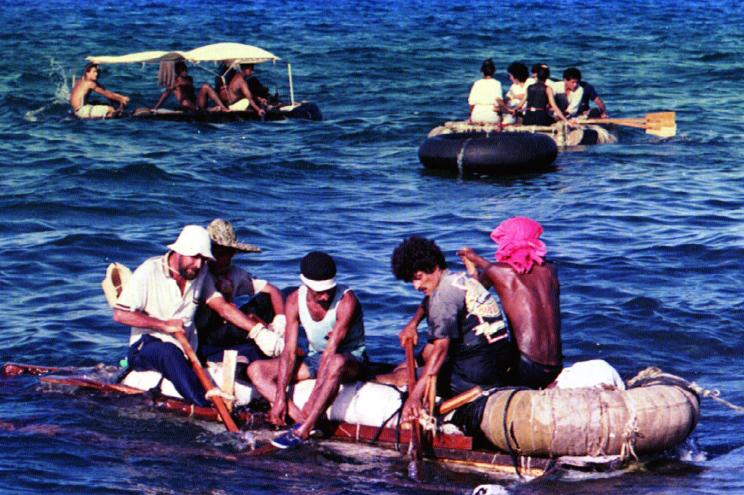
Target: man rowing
[
  {"x": 160, "y": 299},
  {"x": 331, "y": 316},
  {"x": 185, "y": 93},
  {"x": 574, "y": 96},
  {"x": 469, "y": 342},
  {"x": 89, "y": 84},
  {"x": 265, "y": 302},
  {"x": 237, "y": 94},
  {"x": 530, "y": 292}
]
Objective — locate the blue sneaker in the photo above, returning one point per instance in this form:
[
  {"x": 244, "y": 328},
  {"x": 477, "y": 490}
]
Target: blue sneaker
[
  {"x": 314, "y": 433},
  {"x": 288, "y": 440}
]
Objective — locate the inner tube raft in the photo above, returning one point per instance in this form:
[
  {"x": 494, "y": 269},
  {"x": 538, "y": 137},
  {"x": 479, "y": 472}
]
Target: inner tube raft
[
  {"x": 497, "y": 153},
  {"x": 656, "y": 413}
]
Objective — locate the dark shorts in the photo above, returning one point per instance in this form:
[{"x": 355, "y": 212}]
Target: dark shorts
[
  {"x": 491, "y": 368},
  {"x": 534, "y": 375},
  {"x": 312, "y": 361}
]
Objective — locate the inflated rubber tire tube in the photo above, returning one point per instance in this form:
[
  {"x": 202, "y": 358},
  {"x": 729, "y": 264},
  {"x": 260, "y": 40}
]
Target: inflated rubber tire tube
[{"x": 498, "y": 153}]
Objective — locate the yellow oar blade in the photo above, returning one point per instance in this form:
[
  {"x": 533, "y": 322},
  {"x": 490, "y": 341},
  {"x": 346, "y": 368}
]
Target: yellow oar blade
[{"x": 665, "y": 132}]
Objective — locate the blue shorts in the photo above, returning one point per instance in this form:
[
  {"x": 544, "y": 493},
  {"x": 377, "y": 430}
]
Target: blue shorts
[{"x": 312, "y": 361}]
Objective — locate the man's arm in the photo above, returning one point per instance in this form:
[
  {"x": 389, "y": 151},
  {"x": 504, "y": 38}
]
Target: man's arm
[
  {"x": 410, "y": 331},
  {"x": 121, "y": 99},
  {"x": 232, "y": 314},
  {"x": 601, "y": 106},
  {"x": 162, "y": 99},
  {"x": 434, "y": 362},
  {"x": 287, "y": 359},
  {"x": 143, "y": 320},
  {"x": 277, "y": 303}
]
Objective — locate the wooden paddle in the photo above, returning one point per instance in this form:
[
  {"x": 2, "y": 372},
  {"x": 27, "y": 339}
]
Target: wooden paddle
[
  {"x": 662, "y": 124},
  {"x": 415, "y": 425},
  {"x": 206, "y": 382}
]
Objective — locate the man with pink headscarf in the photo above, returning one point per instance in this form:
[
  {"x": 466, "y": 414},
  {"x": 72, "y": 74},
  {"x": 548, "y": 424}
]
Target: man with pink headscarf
[{"x": 529, "y": 291}]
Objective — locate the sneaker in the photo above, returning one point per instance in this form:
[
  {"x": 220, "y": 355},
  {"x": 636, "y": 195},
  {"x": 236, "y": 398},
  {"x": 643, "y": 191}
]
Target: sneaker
[
  {"x": 314, "y": 433},
  {"x": 287, "y": 440}
]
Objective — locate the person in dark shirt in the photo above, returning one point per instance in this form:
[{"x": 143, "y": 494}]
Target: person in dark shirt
[{"x": 468, "y": 342}]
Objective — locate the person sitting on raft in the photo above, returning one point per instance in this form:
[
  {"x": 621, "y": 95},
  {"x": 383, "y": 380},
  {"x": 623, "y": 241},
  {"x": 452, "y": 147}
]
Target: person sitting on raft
[
  {"x": 82, "y": 89},
  {"x": 589, "y": 94},
  {"x": 486, "y": 97},
  {"x": 469, "y": 340},
  {"x": 530, "y": 292},
  {"x": 266, "y": 303},
  {"x": 539, "y": 98},
  {"x": 160, "y": 300},
  {"x": 331, "y": 316},
  {"x": 183, "y": 90},
  {"x": 237, "y": 94},
  {"x": 516, "y": 97}
]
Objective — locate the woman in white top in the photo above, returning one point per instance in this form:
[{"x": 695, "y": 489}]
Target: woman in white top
[
  {"x": 516, "y": 97},
  {"x": 486, "y": 96}
]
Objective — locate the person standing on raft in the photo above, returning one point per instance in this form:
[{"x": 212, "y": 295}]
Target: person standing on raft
[
  {"x": 82, "y": 89},
  {"x": 331, "y": 316},
  {"x": 469, "y": 341},
  {"x": 530, "y": 292}
]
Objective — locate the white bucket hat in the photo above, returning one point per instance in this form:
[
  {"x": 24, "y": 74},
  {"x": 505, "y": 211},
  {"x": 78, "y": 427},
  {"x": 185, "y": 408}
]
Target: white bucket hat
[{"x": 192, "y": 241}]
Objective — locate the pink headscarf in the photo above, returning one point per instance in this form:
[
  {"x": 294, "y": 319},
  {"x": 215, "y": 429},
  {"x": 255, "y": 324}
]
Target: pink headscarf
[{"x": 519, "y": 243}]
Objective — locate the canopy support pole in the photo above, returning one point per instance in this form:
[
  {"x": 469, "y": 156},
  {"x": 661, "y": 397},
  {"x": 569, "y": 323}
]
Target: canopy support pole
[{"x": 291, "y": 88}]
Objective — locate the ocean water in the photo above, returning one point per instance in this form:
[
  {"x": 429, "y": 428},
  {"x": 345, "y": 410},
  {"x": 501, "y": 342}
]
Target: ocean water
[{"x": 648, "y": 234}]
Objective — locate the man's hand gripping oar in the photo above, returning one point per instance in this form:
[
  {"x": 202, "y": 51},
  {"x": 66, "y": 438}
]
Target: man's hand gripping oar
[{"x": 206, "y": 382}]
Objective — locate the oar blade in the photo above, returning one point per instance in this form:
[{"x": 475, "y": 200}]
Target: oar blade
[{"x": 664, "y": 132}]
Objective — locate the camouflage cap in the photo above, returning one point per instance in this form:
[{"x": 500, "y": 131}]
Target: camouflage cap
[{"x": 222, "y": 233}]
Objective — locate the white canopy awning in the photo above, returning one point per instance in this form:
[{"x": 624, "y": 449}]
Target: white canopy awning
[{"x": 235, "y": 53}]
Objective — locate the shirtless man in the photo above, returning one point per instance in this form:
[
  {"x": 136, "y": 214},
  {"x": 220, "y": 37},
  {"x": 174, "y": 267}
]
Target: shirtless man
[
  {"x": 183, "y": 90},
  {"x": 237, "y": 95},
  {"x": 529, "y": 291},
  {"x": 331, "y": 316},
  {"x": 82, "y": 89}
]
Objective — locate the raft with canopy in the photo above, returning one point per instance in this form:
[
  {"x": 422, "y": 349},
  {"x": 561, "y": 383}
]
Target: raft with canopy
[{"x": 231, "y": 55}]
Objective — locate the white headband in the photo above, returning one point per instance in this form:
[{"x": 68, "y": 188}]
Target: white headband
[{"x": 318, "y": 285}]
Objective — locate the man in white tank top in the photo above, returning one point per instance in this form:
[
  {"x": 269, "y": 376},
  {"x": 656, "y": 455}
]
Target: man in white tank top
[{"x": 332, "y": 318}]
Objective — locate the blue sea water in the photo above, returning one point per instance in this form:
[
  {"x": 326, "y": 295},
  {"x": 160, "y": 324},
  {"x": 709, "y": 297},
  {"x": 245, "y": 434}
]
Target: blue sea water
[{"x": 648, "y": 234}]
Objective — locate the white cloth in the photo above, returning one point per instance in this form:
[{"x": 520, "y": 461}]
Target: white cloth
[
  {"x": 484, "y": 97},
  {"x": 514, "y": 97},
  {"x": 152, "y": 290},
  {"x": 241, "y": 105},
  {"x": 574, "y": 100},
  {"x": 594, "y": 373},
  {"x": 88, "y": 111}
]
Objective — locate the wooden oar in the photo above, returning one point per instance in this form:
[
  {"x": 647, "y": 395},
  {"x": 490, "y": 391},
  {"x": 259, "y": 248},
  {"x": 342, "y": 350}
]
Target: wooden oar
[
  {"x": 460, "y": 400},
  {"x": 206, "y": 382},
  {"x": 662, "y": 124},
  {"x": 415, "y": 425}
]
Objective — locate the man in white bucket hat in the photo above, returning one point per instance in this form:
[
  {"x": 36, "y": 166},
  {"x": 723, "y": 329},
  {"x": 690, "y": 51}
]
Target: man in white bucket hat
[
  {"x": 331, "y": 316},
  {"x": 160, "y": 299}
]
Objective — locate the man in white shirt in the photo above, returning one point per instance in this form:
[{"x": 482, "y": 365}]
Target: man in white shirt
[{"x": 160, "y": 300}]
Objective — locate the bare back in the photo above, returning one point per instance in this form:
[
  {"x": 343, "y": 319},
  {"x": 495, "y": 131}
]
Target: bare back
[{"x": 532, "y": 304}]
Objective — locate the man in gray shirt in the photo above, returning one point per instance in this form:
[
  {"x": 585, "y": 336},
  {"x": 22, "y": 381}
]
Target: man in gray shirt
[{"x": 468, "y": 342}]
